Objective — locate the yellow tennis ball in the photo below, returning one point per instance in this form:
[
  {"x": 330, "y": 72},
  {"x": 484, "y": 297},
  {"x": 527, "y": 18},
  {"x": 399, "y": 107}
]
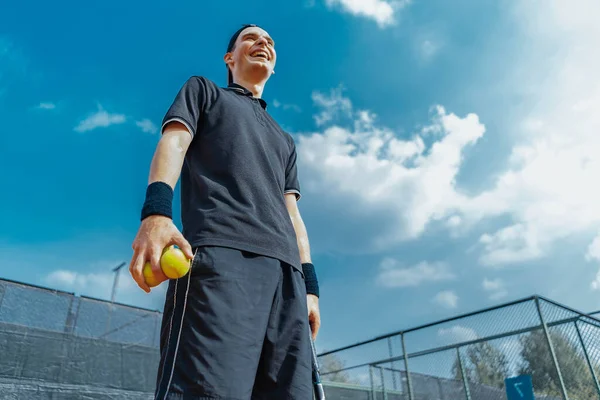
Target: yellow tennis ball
[
  {"x": 174, "y": 263},
  {"x": 149, "y": 275}
]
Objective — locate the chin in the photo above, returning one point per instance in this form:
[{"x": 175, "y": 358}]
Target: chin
[{"x": 260, "y": 71}]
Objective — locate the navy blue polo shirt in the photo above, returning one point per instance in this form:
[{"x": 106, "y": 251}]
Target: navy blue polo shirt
[{"x": 236, "y": 171}]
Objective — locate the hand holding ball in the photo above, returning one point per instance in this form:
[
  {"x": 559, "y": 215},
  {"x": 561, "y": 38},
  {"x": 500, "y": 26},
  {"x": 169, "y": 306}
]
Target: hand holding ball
[
  {"x": 149, "y": 276},
  {"x": 173, "y": 263}
]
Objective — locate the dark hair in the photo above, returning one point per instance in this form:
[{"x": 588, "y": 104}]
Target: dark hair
[{"x": 231, "y": 46}]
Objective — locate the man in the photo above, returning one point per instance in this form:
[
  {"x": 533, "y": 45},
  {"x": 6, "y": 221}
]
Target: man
[{"x": 236, "y": 326}]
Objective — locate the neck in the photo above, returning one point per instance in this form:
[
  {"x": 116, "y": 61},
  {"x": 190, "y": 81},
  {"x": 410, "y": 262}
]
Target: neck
[{"x": 255, "y": 87}]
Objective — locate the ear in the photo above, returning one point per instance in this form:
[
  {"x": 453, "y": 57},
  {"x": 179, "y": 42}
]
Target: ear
[{"x": 228, "y": 58}]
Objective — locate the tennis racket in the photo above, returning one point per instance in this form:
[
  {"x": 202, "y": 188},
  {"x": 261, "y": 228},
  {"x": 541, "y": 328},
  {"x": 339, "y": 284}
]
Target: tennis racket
[{"x": 316, "y": 374}]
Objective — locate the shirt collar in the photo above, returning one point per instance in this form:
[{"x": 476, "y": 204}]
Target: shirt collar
[{"x": 245, "y": 92}]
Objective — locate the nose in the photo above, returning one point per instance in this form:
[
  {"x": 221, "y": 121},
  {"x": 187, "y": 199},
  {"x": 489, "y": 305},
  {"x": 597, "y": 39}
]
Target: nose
[{"x": 262, "y": 40}]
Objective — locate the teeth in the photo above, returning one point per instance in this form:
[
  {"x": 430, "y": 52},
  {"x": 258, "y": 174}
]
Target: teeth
[{"x": 260, "y": 54}]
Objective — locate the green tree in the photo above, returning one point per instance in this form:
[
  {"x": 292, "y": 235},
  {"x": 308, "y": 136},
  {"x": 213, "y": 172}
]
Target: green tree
[
  {"x": 537, "y": 362},
  {"x": 332, "y": 363},
  {"x": 484, "y": 364}
]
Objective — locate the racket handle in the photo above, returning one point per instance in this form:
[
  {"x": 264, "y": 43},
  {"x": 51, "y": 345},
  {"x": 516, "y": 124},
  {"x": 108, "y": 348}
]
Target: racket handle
[
  {"x": 316, "y": 375},
  {"x": 319, "y": 392}
]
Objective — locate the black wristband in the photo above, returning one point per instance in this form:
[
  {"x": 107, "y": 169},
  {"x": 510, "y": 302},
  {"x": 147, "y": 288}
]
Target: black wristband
[
  {"x": 310, "y": 279},
  {"x": 159, "y": 200}
]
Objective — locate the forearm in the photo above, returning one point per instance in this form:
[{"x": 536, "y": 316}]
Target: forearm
[
  {"x": 302, "y": 239},
  {"x": 169, "y": 156},
  {"x": 310, "y": 277},
  {"x": 299, "y": 227}
]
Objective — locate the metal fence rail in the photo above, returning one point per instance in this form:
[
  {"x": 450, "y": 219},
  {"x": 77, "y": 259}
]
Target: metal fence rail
[
  {"x": 58, "y": 311},
  {"x": 471, "y": 356},
  {"x": 51, "y": 337},
  {"x": 54, "y": 344}
]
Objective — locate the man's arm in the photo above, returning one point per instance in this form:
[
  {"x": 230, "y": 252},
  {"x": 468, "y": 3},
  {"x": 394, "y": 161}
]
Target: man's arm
[
  {"x": 314, "y": 316},
  {"x": 301, "y": 234},
  {"x": 157, "y": 231},
  {"x": 170, "y": 153}
]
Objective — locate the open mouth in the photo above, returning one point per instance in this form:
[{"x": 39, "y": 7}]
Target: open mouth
[{"x": 260, "y": 54}]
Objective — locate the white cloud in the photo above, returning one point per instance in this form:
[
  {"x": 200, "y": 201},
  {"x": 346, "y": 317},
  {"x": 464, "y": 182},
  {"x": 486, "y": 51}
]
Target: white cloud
[
  {"x": 396, "y": 188},
  {"x": 495, "y": 288},
  {"x": 79, "y": 265},
  {"x": 492, "y": 285},
  {"x": 401, "y": 185},
  {"x": 515, "y": 243},
  {"x": 146, "y": 126},
  {"x": 332, "y": 105},
  {"x": 99, "y": 283},
  {"x": 428, "y": 49},
  {"x": 458, "y": 334},
  {"x": 381, "y": 11},
  {"x": 593, "y": 254},
  {"x": 293, "y": 107},
  {"x": 99, "y": 119},
  {"x": 549, "y": 188},
  {"x": 392, "y": 274},
  {"x": 46, "y": 106},
  {"x": 447, "y": 299},
  {"x": 94, "y": 284}
]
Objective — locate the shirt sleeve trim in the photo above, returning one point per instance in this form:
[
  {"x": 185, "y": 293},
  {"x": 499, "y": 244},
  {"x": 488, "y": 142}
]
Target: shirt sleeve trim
[
  {"x": 296, "y": 192},
  {"x": 189, "y": 128}
]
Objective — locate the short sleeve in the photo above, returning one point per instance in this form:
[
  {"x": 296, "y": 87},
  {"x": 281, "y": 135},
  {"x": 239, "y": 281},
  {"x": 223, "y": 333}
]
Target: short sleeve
[
  {"x": 291, "y": 174},
  {"x": 188, "y": 105}
]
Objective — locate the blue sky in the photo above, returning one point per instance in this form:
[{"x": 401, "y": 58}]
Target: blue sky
[{"x": 448, "y": 150}]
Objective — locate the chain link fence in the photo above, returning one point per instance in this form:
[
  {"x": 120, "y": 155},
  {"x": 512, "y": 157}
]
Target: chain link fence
[
  {"x": 56, "y": 345},
  {"x": 531, "y": 342},
  {"x": 57, "y": 311}
]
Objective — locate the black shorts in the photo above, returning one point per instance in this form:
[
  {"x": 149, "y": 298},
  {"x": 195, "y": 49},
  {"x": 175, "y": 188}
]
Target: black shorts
[{"x": 235, "y": 328}]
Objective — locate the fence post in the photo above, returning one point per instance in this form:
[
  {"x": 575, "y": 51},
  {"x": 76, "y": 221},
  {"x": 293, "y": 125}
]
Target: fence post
[
  {"x": 2, "y": 290},
  {"x": 563, "y": 389},
  {"x": 408, "y": 381},
  {"x": 464, "y": 376},
  {"x": 587, "y": 358},
  {"x": 372, "y": 382},
  {"x": 156, "y": 328},
  {"x": 70, "y": 316},
  {"x": 389, "y": 340},
  {"x": 76, "y": 316},
  {"x": 385, "y": 397}
]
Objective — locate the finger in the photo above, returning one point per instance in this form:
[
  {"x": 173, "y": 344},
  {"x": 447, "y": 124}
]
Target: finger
[
  {"x": 136, "y": 272},
  {"x": 314, "y": 330},
  {"x": 317, "y": 323},
  {"x": 132, "y": 261},
  {"x": 155, "y": 263},
  {"x": 184, "y": 245},
  {"x": 187, "y": 249}
]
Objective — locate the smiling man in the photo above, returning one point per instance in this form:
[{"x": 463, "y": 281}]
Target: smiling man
[{"x": 237, "y": 326}]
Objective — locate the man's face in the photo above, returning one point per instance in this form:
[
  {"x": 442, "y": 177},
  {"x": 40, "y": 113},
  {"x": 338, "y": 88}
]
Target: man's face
[{"x": 254, "y": 54}]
